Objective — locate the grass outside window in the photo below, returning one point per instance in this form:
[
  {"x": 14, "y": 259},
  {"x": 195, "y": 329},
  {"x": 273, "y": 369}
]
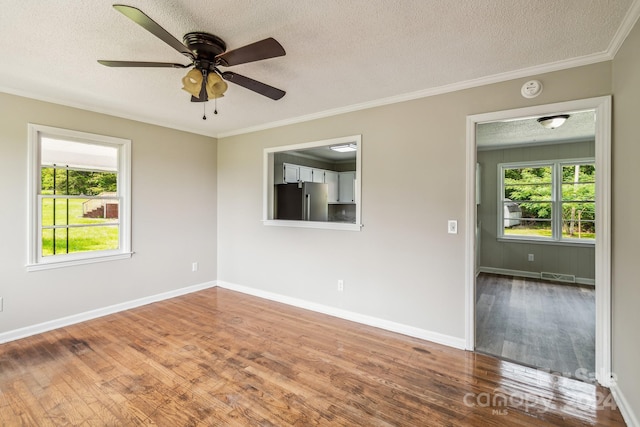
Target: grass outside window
[{"x": 87, "y": 234}]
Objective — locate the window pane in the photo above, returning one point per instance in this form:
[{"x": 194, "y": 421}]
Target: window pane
[
  {"x": 60, "y": 211},
  {"x": 73, "y": 182},
  {"x": 578, "y": 173},
  {"x": 522, "y": 184},
  {"x": 51, "y": 237},
  {"x": 54, "y": 181},
  {"x": 96, "y": 211},
  {"x": 578, "y": 220},
  {"x": 47, "y": 242},
  {"x": 81, "y": 239},
  {"x": 55, "y": 209},
  {"x": 578, "y": 183},
  {"x": 579, "y": 192},
  {"x": 47, "y": 212},
  {"x": 80, "y": 211},
  {"x": 535, "y": 210},
  {"x": 529, "y": 227},
  {"x": 527, "y": 219}
]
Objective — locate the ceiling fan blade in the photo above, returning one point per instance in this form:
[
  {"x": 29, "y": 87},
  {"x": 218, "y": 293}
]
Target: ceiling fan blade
[
  {"x": 264, "y": 49},
  {"x": 142, "y": 64},
  {"x": 254, "y": 85},
  {"x": 138, "y": 16}
]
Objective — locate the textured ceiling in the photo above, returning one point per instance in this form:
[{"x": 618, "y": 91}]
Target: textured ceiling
[
  {"x": 580, "y": 126},
  {"x": 341, "y": 54}
]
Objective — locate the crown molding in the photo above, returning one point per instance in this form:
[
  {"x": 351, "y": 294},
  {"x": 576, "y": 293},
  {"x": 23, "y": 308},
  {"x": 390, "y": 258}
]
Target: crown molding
[
  {"x": 625, "y": 28},
  {"x": 425, "y": 93}
]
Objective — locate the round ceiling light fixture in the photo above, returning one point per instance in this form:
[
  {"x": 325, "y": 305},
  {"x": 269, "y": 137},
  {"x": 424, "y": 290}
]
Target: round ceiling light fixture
[{"x": 552, "y": 122}]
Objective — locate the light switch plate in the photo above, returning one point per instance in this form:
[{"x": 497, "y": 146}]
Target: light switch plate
[{"x": 452, "y": 226}]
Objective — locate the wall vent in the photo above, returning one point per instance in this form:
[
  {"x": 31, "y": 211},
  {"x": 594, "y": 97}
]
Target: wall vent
[{"x": 558, "y": 277}]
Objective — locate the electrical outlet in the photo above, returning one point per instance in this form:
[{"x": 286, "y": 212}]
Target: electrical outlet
[
  {"x": 452, "y": 226},
  {"x": 530, "y": 258},
  {"x": 194, "y": 266},
  {"x": 340, "y": 285}
]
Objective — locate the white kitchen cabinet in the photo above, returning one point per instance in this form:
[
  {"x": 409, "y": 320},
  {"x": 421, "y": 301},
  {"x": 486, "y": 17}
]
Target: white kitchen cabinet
[
  {"x": 299, "y": 173},
  {"x": 318, "y": 175},
  {"x": 291, "y": 173},
  {"x": 331, "y": 179},
  {"x": 306, "y": 174},
  {"x": 346, "y": 187}
]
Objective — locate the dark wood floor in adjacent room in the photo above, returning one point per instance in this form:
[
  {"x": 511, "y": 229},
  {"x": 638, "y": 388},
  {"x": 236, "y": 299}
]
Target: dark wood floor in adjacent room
[
  {"x": 221, "y": 358},
  {"x": 543, "y": 324}
]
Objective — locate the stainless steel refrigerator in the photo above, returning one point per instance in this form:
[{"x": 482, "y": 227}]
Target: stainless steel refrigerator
[{"x": 302, "y": 201}]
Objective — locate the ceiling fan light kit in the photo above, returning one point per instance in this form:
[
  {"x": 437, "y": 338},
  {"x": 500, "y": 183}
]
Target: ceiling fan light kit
[
  {"x": 206, "y": 52},
  {"x": 192, "y": 82},
  {"x": 215, "y": 86}
]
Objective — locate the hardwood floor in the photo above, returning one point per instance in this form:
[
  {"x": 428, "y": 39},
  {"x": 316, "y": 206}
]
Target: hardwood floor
[
  {"x": 221, "y": 358},
  {"x": 541, "y": 324}
]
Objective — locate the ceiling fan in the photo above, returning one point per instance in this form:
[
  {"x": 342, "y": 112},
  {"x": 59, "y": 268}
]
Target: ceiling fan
[{"x": 206, "y": 53}]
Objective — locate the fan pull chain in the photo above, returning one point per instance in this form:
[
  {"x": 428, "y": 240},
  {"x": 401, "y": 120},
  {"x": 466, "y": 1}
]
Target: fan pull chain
[{"x": 204, "y": 109}]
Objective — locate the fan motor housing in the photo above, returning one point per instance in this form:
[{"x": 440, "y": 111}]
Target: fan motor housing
[{"x": 206, "y": 46}]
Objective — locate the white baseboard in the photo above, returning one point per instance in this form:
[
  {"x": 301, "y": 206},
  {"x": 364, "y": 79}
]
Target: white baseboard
[
  {"x": 528, "y": 274},
  {"x": 625, "y": 409},
  {"x": 388, "y": 325},
  {"x": 99, "y": 312}
]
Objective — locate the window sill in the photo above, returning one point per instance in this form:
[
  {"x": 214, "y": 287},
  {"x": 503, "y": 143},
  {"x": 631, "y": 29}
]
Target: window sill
[
  {"x": 48, "y": 265},
  {"x": 576, "y": 243},
  {"x": 329, "y": 225}
]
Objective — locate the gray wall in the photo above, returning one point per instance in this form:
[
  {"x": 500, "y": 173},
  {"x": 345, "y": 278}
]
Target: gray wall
[
  {"x": 626, "y": 226},
  {"x": 173, "y": 212},
  {"x": 403, "y": 266},
  {"x": 579, "y": 261}
]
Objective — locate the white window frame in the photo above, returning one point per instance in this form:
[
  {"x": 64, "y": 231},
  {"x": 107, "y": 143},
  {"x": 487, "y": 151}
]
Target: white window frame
[
  {"x": 556, "y": 201},
  {"x": 35, "y": 260},
  {"x": 267, "y": 205}
]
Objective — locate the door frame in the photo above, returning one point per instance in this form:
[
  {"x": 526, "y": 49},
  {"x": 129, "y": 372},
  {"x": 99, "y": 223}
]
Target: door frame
[{"x": 602, "y": 107}]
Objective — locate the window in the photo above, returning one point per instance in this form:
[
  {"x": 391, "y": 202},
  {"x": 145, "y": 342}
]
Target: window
[
  {"x": 79, "y": 198},
  {"x": 314, "y": 184},
  {"x": 548, "y": 201}
]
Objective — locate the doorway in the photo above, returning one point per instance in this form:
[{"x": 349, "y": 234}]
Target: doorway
[{"x": 513, "y": 245}]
